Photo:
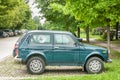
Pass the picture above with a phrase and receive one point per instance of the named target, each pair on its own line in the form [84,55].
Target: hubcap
[95,66]
[36,66]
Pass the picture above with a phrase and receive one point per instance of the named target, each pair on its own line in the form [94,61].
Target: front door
[65,50]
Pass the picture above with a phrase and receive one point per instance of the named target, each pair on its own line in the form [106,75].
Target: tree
[30,25]
[56,18]
[95,13]
[116,32]
[13,13]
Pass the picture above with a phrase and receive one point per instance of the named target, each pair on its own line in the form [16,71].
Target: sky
[35,10]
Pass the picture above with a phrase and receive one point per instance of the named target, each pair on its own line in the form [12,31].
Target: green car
[40,48]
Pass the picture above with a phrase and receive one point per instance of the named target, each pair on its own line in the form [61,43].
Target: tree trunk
[78,32]
[116,33]
[87,34]
[108,38]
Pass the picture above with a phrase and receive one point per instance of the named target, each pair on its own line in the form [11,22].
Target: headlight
[105,51]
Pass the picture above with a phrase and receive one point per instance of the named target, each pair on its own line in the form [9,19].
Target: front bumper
[109,61]
[17,59]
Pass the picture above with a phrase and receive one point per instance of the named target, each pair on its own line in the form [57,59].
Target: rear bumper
[17,59]
[109,61]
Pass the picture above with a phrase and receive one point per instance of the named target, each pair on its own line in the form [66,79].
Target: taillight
[16,49]
[16,52]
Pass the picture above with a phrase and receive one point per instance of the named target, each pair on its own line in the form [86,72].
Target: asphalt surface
[7,46]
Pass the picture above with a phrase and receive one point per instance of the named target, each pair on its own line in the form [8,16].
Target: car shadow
[64,70]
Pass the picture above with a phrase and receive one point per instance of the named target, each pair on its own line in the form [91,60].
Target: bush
[98,31]
[104,36]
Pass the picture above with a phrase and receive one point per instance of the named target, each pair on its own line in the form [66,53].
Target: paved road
[6,46]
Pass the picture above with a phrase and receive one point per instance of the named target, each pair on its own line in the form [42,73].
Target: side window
[60,39]
[40,39]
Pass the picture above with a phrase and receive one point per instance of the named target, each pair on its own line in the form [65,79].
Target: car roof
[48,31]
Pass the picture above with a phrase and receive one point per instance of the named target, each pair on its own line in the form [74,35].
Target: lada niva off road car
[42,48]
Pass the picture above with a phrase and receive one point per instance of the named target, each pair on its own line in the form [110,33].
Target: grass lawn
[83,35]
[112,72]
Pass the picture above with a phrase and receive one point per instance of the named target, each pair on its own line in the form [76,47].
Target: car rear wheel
[35,65]
[94,65]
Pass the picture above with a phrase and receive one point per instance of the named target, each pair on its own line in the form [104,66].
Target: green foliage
[30,25]
[94,13]
[98,30]
[112,34]
[55,16]
[13,13]
[53,26]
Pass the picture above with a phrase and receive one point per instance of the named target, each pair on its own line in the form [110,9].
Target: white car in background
[118,34]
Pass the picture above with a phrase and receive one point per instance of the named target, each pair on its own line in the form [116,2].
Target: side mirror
[80,39]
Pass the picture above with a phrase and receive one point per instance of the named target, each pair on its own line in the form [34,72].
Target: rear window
[40,39]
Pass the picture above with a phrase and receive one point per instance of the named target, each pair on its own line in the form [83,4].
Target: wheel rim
[95,66]
[35,66]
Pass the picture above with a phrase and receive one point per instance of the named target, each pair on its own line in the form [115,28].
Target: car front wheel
[94,65]
[35,65]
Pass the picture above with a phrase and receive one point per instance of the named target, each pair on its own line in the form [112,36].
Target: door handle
[56,47]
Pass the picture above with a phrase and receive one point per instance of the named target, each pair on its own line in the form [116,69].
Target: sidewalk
[104,44]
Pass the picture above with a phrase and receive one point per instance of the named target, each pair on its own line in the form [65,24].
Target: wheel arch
[36,54]
[93,55]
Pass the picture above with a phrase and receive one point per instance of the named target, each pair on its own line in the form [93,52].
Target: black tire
[94,65]
[35,65]
[85,69]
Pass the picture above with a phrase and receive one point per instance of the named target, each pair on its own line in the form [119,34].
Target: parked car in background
[18,32]
[9,32]
[23,31]
[3,34]
[42,48]
[118,34]
[15,32]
